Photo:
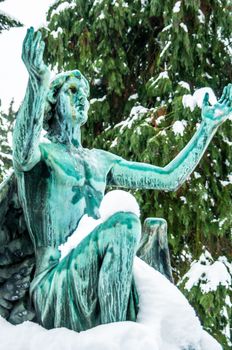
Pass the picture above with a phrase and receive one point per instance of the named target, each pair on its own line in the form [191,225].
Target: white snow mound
[116,201]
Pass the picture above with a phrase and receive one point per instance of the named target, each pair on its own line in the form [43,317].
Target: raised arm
[172,176]
[29,120]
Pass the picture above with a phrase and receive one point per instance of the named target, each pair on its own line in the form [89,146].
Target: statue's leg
[93,283]
[153,247]
[118,242]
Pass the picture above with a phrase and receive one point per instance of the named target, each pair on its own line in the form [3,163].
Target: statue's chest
[79,167]
[87,167]
[80,176]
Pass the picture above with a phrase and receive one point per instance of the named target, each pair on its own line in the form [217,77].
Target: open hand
[32,55]
[219,112]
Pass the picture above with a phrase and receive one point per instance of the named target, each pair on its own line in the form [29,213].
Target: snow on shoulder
[165,321]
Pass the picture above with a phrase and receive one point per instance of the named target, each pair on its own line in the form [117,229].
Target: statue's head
[67,104]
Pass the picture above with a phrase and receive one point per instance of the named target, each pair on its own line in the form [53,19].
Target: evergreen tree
[6,119]
[144,59]
[7,22]
[6,129]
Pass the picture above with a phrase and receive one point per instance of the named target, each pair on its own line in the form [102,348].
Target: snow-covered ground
[165,321]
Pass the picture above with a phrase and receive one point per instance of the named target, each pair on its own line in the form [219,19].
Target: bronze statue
[59,181]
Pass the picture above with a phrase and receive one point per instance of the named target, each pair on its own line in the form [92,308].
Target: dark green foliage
[139,53]
[6,22]
[212,306]
[6,119]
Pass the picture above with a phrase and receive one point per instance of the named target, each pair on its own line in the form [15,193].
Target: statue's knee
[128,224]
[151,225]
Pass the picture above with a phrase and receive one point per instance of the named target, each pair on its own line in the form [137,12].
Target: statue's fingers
[29,34]
[37,40]
[27,43]
[228,102]
[40,52]
[230,92]
[223,96]
[35,46]
[206,99]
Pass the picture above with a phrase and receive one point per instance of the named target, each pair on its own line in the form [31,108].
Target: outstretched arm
[30,116]
[172,176]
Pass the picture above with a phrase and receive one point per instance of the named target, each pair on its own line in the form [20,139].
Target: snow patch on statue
[116,201]
[191,101]
[113,202]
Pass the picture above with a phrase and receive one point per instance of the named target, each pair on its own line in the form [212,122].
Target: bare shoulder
[106,156]
[50,147]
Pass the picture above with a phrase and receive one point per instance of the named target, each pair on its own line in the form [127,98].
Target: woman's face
[72,104]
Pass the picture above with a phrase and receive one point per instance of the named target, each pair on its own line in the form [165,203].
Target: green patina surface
[59,181]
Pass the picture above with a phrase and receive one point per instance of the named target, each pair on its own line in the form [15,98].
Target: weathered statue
[60,181]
